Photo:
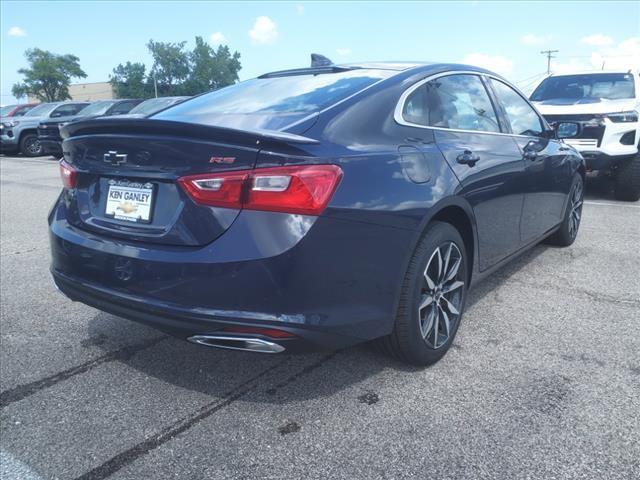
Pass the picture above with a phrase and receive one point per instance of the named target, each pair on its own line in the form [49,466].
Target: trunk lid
[128,170]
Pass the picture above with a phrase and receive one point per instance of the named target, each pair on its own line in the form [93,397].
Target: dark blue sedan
[315,207]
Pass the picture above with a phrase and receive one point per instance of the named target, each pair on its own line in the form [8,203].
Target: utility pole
[549,54]
[155,83]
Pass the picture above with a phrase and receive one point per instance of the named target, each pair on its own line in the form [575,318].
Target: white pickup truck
[606,105]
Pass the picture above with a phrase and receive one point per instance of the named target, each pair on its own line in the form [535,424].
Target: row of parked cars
[34,129]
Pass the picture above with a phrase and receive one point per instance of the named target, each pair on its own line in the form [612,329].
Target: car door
[547,168]
[488,163]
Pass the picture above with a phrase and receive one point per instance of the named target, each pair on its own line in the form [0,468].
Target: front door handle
[468,158]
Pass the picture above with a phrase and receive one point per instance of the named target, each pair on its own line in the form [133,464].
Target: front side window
[521,116]
[67,110]
[458,102]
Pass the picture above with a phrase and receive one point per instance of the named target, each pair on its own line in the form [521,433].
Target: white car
[606,105]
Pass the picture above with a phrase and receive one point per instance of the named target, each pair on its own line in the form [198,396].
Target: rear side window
[455,101]
[274,102]
[68,109]
[520,115]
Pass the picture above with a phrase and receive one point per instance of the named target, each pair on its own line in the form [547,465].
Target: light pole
[155,83]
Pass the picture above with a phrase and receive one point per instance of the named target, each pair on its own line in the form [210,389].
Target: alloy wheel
[441,295]
[33,146]
[575,214]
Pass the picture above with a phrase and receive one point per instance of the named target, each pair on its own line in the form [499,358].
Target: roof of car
[408,67]
[398,66]
[594,72]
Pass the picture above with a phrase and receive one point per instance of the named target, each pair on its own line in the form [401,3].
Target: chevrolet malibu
[313,208]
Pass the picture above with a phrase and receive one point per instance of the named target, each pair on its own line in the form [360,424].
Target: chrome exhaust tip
[247,344]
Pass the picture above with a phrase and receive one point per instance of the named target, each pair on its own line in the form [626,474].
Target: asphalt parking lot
[543,380]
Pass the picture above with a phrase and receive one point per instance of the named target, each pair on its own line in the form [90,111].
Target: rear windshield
[97,108]
[154,104]
[272,103]
[609,86]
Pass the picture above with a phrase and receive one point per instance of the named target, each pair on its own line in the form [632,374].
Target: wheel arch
[26,131]
[457,212]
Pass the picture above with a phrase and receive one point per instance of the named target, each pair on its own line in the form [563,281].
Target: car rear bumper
[189,322]
[334,286]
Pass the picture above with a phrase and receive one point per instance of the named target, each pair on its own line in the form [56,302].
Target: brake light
[303,190]
[68,174]
[223,190]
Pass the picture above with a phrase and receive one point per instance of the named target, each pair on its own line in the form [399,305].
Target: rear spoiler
[148,126]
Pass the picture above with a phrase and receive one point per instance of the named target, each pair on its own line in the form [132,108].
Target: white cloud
[300,9]
[620,57]
[533,39]
[597,40]
[217,38]
[495,63]
[17,32]
[264,30]
[343,52]
[625,55]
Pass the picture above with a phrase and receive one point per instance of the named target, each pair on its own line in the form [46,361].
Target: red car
[16,110]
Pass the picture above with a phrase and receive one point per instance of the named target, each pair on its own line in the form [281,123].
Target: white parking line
[607,204]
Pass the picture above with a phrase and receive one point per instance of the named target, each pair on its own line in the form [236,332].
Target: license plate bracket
[130,201]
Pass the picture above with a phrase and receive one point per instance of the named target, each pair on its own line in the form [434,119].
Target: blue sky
[504,36]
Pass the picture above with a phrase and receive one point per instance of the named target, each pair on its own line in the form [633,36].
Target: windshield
[609,86]
[41,110]
[154,104]
[272,103]
[4,111]
[98,108]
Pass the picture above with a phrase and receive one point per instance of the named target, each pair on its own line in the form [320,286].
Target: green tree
[48,76]
[170,66]
[211,68]
[130,81]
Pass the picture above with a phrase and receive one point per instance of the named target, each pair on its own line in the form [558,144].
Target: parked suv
[607,106]
[49,129]
[21,134]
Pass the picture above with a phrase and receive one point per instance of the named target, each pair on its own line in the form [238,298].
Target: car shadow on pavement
[306,376]
[599,187]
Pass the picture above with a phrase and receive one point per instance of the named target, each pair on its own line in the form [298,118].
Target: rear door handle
[468,158]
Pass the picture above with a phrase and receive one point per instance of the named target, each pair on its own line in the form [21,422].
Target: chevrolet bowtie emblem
[115,158]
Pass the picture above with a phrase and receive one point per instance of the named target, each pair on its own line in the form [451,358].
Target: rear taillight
[68,174]
[304,189]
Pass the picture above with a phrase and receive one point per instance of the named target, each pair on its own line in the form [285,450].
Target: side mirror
[567,129]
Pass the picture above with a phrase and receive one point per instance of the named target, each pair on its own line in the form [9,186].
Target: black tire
[408,341]
[568,230]
[30,146]
[627,180]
